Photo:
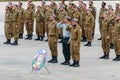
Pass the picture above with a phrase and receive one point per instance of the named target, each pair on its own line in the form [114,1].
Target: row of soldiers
[109,24]
[16,16]
[41,15]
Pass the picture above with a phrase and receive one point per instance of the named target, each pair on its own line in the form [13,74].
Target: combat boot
[15,43]
[8,42]
[89,44]
[50,60]
[107,56]
[102,57]
[77,64]
[117,58]
[111,46]
[66,62]
[38,38]
[41,38]
[86,44]
[99,38]
[54,59]
[74,62]
[83,39]
[46,40]
[30,37]
[20,36]
[93,36]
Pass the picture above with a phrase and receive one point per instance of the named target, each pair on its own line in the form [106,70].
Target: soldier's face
[105,15]
[28,6]
[38,8]
[73,23]
[61,8]
[64,20]
[51,18]
[88,11]
[117,6]
[6,8]
[90,4]
[29,1]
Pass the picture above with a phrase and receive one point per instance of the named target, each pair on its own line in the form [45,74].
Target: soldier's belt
[14,21]
[6,21]
[73,39]
[52,35]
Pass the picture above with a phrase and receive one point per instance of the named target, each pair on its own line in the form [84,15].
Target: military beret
[117,4]
[89,9]
[106,12]
[62,6]
[68,17]
[78,7]
[76,20]
[53,15]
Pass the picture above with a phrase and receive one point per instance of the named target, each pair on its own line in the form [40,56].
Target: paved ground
[15,61]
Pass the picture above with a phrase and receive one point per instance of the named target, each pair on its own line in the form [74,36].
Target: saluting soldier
[62,13]
[32,6]
[102,10]
[7,26]
[39,24]
[83,13]
[70,10]
[111,26]
[66,39]
[21,19]
[52,39]
[105,36]
[75,39]
[94,15]
[117,38]
[77,14]
[53,6]
[117,10]
[15,28]
[28,21]
[43,11]
[89,24]
[48,12]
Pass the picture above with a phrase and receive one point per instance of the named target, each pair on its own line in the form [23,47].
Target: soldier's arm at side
[79,35]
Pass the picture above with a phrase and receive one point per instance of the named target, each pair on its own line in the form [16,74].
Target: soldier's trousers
[46,27]
[83,29]
[7,29]
[105,42]
[15,31]
[21,27]
[53,45]
[88,34]
[100,28]
[39,29]
[32,26]
[60,31]
[29,27]
[111,35]
[93,32]
[75,50]
[117,45]
[66,48]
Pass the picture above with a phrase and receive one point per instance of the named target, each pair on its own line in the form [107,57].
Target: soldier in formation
[47,18]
